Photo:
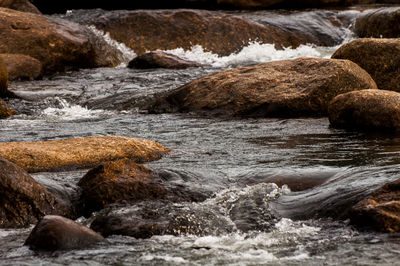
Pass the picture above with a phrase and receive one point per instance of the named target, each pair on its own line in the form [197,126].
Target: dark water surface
[229,158]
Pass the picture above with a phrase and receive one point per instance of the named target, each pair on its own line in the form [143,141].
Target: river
[228,158]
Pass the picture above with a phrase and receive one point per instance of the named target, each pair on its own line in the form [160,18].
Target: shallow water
[229,158]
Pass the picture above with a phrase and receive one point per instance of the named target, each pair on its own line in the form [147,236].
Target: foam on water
[254,53]
[67,111]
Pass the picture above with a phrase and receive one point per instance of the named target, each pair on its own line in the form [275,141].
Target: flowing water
[230,159]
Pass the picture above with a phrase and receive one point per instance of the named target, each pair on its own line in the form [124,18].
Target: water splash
[254,53]
[66,111]
[127,53]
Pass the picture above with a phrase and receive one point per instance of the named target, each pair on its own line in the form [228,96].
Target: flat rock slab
[79,152]
[288,88]
[379,57]
[366,109]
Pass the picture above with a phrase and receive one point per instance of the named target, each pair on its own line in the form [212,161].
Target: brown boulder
[380,211]
[115,182]
[379,57]
[220,33]
[126,181]
[159,59]
[4,92]
[366,109]
[383,22]
[59,233]
[21,66]
[288,88]
[23,200]
[58,44]
[79,152]
[20,5]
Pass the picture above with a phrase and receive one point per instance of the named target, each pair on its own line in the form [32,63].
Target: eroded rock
[379,57]
[59,233]
[288,88]
[79,152]
[366,109]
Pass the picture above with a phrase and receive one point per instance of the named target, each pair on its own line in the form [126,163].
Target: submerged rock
[380,211]
[288,88]
[379,57]
[366,109]
[79,152]
[159,59]
[382,22]
[126,181]
[20,5]
[23,200]
[58,44]
[59,233]
[220,33]
[21,66]
[231,210]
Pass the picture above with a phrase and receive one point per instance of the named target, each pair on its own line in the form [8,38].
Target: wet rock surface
[380,211]
[126,181]
[4,92]
[379,57]
[227,212]
[58,233]
[158,59]
[289,88]
[23,200]
[5,110]
[79,152]
[58,44]
[366,109]
[379,23]
[220,33]
[22,66]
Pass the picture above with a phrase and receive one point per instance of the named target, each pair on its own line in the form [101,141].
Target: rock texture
[366,109]
[383,22]
[220,33]
[379,57]
[59,233]
[79,152]
[159,59]
[125,181]
[116,182]
[288,88]
[58,44]
[21,66]
[20,5]
[23,200]
[380,211]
